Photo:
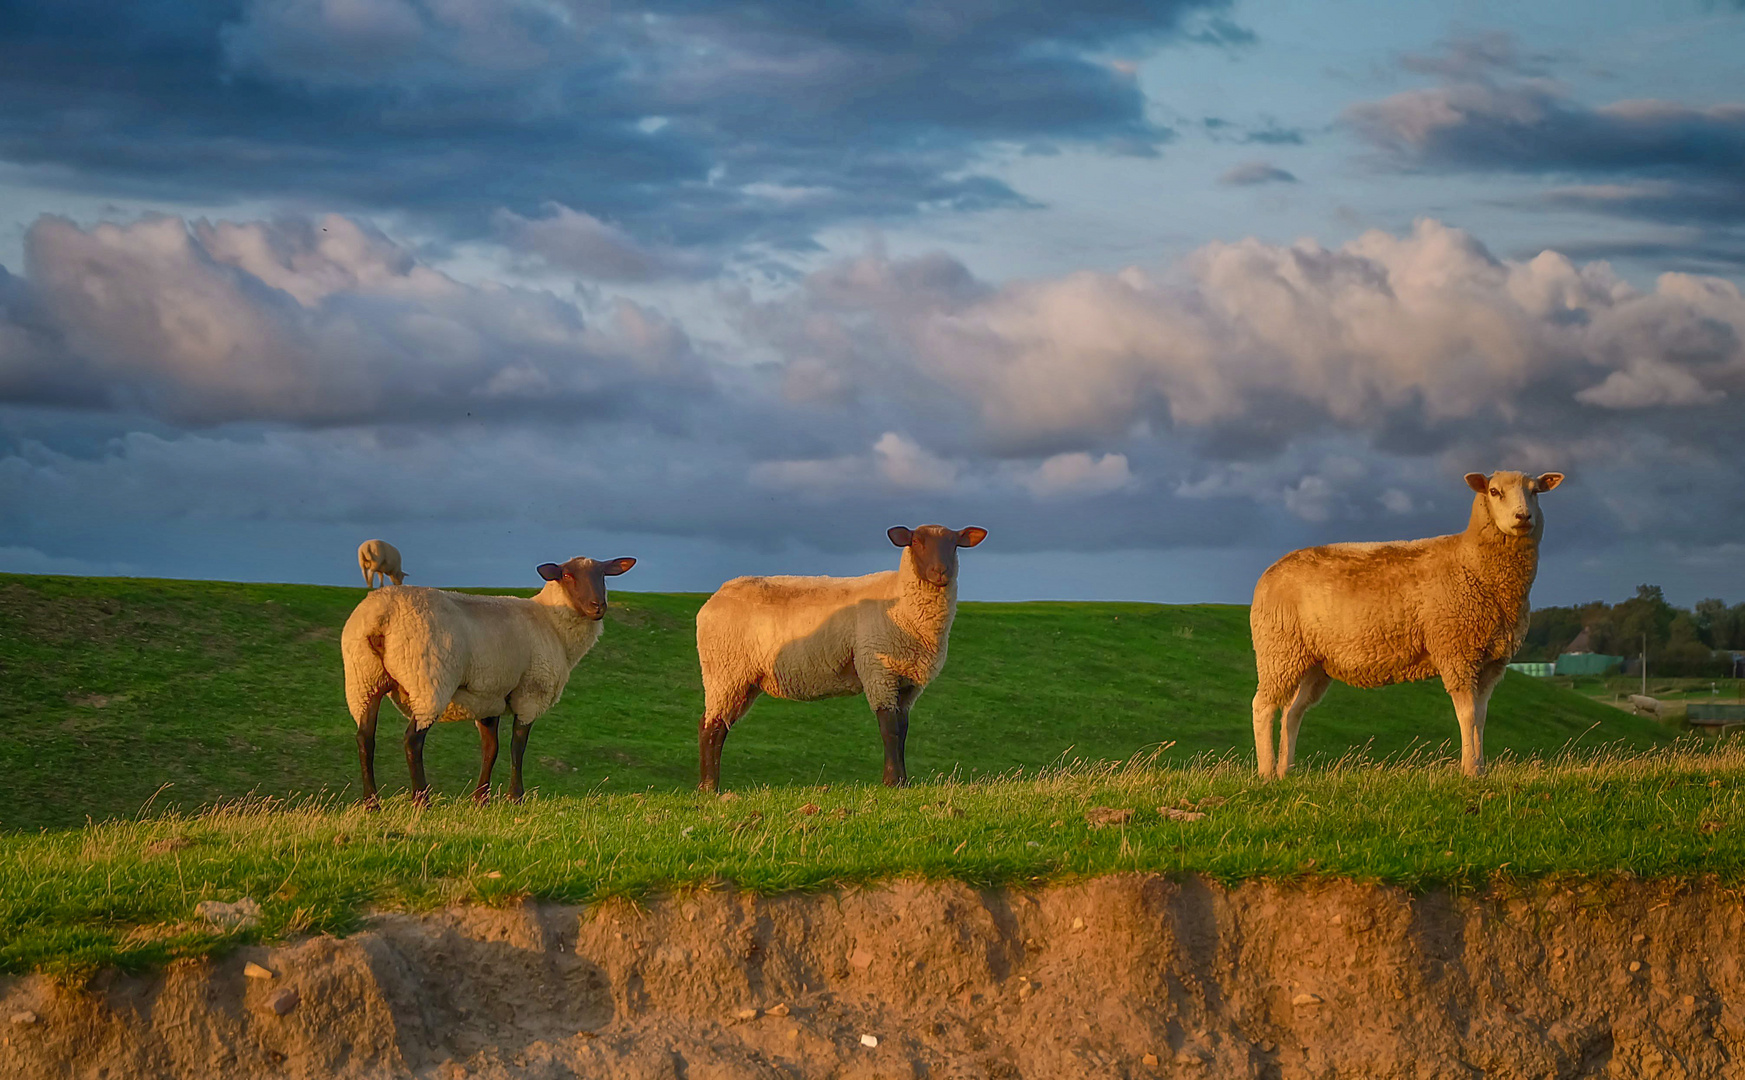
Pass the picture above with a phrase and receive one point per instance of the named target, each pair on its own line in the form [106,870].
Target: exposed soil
[1133,976]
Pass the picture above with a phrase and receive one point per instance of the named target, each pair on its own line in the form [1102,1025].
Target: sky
[1154,292]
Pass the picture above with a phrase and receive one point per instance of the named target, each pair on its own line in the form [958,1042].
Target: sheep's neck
[923,610]
[1507,564]
[577,632]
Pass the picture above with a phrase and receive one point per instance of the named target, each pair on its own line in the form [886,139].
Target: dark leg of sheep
[487,758]
[415,762]
[366,753]
[894,728]
[711,737]
[517,750]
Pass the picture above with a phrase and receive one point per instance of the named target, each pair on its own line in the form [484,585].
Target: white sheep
[455,656]
[380,562]
[1374,614]
[806,638]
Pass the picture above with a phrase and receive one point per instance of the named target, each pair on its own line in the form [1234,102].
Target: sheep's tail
[362,644]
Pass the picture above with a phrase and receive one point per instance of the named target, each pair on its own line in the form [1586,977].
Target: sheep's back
[794,636]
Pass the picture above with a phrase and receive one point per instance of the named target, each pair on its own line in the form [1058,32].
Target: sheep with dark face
[454,656]
[1373,614]
[806,638]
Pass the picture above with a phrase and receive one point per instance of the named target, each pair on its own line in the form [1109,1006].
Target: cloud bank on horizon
[489,276]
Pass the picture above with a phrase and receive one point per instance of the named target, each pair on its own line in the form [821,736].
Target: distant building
[1588,663]
[1738,665]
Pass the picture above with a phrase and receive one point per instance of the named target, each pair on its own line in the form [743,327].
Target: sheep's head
[1513,498]
[583,582]
[933,549]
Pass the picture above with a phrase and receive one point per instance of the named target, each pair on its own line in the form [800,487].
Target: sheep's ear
[1547,481]
[617,566]
[899,535]
[1478,482]
[971,536]
[550,571]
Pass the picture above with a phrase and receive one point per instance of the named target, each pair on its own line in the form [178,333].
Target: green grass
[124,892]
[119,692]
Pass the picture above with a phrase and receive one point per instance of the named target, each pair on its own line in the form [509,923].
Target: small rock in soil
[1100,816]
[255,971]
[1306,999]
[861,959]
[24,1017]
[284,1001]
[747,1014]
[869,1040]
[779,1009]
[1635,966]
[1078,924]
[240,915]
[1150,1059]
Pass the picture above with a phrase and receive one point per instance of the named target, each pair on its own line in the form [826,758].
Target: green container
[1584,663]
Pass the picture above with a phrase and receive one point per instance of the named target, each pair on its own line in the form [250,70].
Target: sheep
[454,656]
[1373,614]
[808,638]
[379,559]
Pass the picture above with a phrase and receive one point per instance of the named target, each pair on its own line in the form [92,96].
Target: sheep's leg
[366,750]
[415,762]
[517,749]
[719,715]
[1264,710]
[1310,688]
[1488,677]
[366,571]
[894,729]
[487,758]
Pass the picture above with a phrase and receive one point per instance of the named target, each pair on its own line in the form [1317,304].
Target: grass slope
[112,688]
[124,892]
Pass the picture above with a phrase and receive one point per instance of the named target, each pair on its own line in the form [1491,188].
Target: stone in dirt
[284,1001]
[869,1040]
[1306,999]
[780,1009]
[238,916]
[1150,1059]
[255,971]
[24,1017]
[861,959]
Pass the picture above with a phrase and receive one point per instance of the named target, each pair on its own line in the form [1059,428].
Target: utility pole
[1644,665]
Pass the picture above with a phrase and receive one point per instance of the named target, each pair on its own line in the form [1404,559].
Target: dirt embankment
[1123,977]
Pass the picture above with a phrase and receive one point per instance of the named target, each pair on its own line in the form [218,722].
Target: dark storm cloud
[1497,112]
[682,123]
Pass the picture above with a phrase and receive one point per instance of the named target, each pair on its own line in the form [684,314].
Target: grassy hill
[113,691]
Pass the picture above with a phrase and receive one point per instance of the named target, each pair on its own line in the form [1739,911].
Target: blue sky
[1153,291]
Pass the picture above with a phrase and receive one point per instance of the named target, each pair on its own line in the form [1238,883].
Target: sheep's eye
[1495,494]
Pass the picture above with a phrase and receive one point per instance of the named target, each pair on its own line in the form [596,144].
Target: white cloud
[1078,474]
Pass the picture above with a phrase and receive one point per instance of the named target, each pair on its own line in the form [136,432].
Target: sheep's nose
[594,611]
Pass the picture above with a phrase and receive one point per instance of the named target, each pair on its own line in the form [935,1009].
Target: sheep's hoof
[481,797]
[421,799]
[372,805]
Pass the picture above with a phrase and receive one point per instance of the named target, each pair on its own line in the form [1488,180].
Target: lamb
[454,656]
[379,559]
[807,638]
[1374,614]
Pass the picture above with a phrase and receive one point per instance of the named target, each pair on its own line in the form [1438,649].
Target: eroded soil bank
[1133,976]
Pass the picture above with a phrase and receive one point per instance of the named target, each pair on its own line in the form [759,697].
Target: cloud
[1079,474]
[1251,173]
[311,322]
[570,240]
[1416,340]
[1498,112]
[686,125]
